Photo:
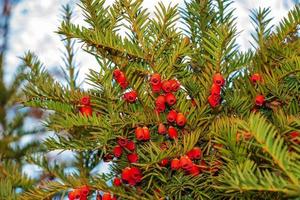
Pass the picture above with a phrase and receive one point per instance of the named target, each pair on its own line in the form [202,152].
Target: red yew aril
[160,100]
[118,151]
[185,162]
[162,129]
[164,162]
[130,146]
[117,182]
[132,157]
[86,110]
[146,133]
[85,101]
[122,142]
[255,78]
[172,133]
[259,100]
[175,164]
[106,196]
[166,86]
[180,119]
[156,88]
[139,133]
[155,79]
[170,99]
[171,117]
[218,79]
[175,85]
[215,90]
[131,96]
[214,100]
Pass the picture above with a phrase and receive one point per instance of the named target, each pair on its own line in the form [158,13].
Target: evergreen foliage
[248,149]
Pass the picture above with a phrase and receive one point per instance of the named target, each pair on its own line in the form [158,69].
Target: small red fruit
[255,78]
[171,117]
[164,162]
[170,99]
[130,146]
[130,96]
[185,162]
[194,170]
[122,142]
[117,182]
[156,88]
[180,119]
[259,100]
[175,85]
[118,151]
[172,132]
[139,133]
[132,157]
[74,195]
[86,110]
[215,90]
[175,164]
[84,190]
[155,79]
[117,73]
[85,101]
[160,108]
[106,196]
[146,133]
[218,79]
[166,86]
[160,100]
[214,100]
[195,153]
[162,129]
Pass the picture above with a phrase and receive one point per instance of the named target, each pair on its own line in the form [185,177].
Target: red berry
[122,142]
[160,108]
[130,96]
[215,90]
[164,162]
[85,101]
[194,170]
[131,175]
[172,133]
[295,137]
[214,100]
[259,100]
[175,164]
[126,174]
[255,78]
[162,129]
[75,194]
[156,88]
[160,100]
[106,196]
[114,198]
[139,133]
[136,174]
[166,86]
[155,79]
[124,85]
[117,73]
[180,119]
[132,157]
[218,79]
[175,85]
[185,162]
[130,146]
[146,133]
[170,99]
[86,110]
[117,182]
[195,153]
[84,190]
[118,151]
[171,117]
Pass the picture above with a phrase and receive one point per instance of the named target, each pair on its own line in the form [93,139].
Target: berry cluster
[79,193]
[186,162]
[166,85]
[86,108]
[131,175]
[215,92]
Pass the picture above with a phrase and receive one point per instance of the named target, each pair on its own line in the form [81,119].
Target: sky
[34,22]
